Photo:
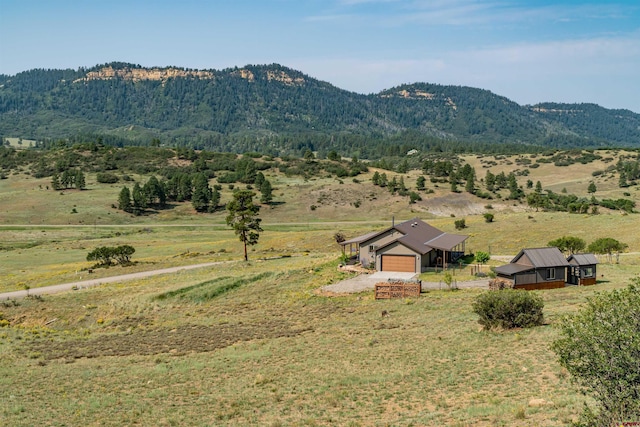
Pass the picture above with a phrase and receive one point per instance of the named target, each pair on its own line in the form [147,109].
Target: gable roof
[362,238]
[583,259]
[417,235]
[542,257]
[412,243]
[419,229]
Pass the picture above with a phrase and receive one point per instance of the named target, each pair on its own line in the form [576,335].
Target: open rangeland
[256,343]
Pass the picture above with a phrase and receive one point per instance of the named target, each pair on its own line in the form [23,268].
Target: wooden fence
[387,290]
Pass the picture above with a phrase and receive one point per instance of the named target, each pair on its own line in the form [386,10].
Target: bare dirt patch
[461,204]
[180,340]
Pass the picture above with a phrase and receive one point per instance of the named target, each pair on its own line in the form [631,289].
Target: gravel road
[96,282]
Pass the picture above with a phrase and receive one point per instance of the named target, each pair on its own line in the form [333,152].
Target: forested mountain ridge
[271,107]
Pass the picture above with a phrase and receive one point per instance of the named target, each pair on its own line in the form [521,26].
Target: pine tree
[308,156]
[376,178]
[393,185]
[243,218]
[403,167]
[490,181]
[66,179]
[470,186]
[538,187]
[622,182]
[55,182]
[79,180]
[124,200]
[201,193]
[259,179]
[215,200]
[266,192]
[139,200]
[453,179]
[184,188]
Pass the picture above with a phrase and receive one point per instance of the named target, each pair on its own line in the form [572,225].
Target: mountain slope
[259,103]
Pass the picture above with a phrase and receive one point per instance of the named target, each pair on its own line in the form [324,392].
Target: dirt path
[96,282]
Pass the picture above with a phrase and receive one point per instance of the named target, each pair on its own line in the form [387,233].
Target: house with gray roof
[411,246]
[537,268]
[547,268]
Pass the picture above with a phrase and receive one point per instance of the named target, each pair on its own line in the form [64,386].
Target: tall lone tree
[243,218]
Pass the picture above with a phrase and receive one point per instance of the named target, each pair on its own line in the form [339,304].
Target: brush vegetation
[258,343]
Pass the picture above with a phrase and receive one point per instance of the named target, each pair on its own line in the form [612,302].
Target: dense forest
[277,110]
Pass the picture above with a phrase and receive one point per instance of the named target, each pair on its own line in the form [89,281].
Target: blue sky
[528,51]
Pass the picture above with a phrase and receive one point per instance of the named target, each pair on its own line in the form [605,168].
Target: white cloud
[600,70]
[476,12]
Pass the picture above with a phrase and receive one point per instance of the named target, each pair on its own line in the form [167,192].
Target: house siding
[398,249]
[544,285]
[526,278]
[367,257]
[524,259]
[583,278]
[538,279]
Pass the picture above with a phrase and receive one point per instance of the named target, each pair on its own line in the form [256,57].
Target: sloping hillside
[271,107]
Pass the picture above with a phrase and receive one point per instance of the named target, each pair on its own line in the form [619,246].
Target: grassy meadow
[258,343]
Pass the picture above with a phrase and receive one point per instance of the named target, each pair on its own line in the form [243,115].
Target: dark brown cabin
[537,268]
[582,269]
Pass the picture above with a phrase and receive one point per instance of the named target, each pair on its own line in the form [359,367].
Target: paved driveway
[367,282]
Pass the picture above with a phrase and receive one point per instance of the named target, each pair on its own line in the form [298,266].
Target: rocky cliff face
[285,78]
[140,74]
[163,74]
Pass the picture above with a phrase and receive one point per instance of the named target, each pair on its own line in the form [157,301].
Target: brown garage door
[398,263]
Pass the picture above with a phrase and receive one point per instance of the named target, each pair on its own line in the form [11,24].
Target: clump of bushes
[106,178]
[509,309]
[3,322]
[106,255]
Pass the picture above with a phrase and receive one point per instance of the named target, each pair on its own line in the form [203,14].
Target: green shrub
[600,347]
[482,257]
[460,224]
[105,255]
[509,309]
[106,178]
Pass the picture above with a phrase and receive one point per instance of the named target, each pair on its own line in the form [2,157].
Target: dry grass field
[256,343]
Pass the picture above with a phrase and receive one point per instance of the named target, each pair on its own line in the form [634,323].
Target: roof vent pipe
[393,221]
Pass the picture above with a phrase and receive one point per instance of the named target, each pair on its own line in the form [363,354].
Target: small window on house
[372,248]
[551,273]
[588,272]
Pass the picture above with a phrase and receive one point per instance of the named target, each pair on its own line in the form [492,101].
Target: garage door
[398,263]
